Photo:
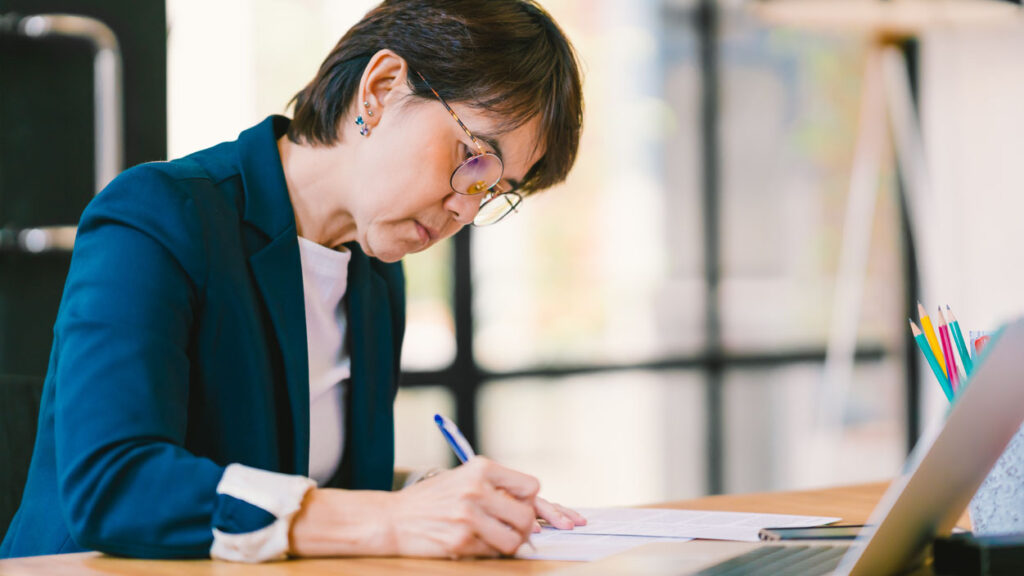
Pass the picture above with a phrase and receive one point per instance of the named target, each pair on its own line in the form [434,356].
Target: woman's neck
[314,176]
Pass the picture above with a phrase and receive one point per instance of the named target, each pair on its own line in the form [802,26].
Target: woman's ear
[382,87]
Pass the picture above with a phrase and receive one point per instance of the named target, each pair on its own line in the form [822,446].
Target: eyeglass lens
[495,208]
[477,174]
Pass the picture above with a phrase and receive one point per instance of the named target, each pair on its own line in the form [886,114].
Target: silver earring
[366,105]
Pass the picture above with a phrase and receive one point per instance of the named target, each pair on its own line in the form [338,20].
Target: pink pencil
[947,349]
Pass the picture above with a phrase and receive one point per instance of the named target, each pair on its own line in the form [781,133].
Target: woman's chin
[391,249]
[390,258]
[387,253]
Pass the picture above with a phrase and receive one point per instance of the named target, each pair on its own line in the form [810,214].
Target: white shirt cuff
[278,494]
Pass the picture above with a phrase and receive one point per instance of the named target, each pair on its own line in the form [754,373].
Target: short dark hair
[507,57]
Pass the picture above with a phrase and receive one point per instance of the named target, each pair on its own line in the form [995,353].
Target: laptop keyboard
[780,561]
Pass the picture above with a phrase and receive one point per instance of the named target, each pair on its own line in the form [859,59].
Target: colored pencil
[954,352]
[961,345]
[929,333]
[947,348]
[922,343]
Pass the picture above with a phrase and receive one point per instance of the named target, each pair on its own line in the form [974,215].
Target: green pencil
[961,345]
[922,343]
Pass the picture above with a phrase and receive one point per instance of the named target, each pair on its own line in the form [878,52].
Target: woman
[231,326]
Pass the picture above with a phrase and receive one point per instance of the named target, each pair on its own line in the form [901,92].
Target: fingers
[488,523]
[478,509]
[519,485]
[518,515]
[575,516]
[505,504]
[557,515]
[467,543]
[499,534]
[552,515]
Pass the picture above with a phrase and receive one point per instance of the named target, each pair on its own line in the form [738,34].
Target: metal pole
[707,33]
[108,116]
[465,377]
[107,84]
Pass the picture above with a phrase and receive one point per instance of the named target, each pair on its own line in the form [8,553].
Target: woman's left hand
[557,515]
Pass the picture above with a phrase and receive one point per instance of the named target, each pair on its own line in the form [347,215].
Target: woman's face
[405,203]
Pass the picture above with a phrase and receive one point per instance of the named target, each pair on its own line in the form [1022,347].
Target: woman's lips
[424,233]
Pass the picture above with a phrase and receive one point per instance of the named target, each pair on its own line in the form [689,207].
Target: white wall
[972,86]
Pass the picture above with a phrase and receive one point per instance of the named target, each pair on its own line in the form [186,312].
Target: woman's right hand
[478,509]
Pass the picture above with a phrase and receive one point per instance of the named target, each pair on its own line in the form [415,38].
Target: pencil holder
[998,505]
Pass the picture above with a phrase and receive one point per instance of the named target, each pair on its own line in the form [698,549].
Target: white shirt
[324,280]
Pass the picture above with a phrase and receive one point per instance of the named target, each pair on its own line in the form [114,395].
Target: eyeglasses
[480,173]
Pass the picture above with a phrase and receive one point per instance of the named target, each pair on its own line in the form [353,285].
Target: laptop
[940,477]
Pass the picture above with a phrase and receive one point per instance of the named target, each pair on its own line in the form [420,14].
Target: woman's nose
[463,207]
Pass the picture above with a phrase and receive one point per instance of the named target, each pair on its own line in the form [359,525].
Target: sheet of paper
[706,524]
[554,544]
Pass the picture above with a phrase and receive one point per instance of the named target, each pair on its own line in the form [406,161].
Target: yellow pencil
[929,334]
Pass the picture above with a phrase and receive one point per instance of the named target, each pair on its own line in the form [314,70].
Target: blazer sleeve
[126,484]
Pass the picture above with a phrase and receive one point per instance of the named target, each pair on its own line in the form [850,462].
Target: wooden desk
[852,503]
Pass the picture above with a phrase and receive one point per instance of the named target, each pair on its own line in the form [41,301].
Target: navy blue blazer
[180,347]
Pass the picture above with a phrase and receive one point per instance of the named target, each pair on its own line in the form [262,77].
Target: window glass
[605,268]
[600,439]
[418,443]
[773,440]
[430,325]
[789,104]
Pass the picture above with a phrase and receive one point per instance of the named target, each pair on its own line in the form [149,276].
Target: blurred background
[657,327]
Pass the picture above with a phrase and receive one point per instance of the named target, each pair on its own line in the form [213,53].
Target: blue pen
[459,445]
[455,439]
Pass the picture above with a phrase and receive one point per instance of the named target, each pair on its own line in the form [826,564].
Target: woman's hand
[557,515]
[478,509]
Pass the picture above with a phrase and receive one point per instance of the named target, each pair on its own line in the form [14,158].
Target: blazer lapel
[277,269]
[278,273]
